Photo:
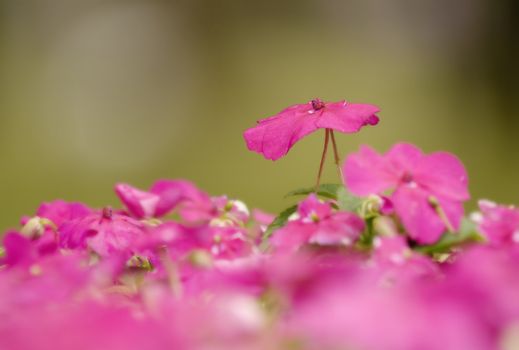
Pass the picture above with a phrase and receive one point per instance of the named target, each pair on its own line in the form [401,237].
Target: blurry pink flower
[274,136]
[499,223]
[317,224]
[60,211]
[397,262]
[417,180]
[19,250]
[105,233]
[220,242]
[23,250]
[162,197]
[219,211]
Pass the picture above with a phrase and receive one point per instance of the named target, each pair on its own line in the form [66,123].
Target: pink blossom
[103,232]
[221,242]
[363,315]
[219,211]
[397,262]
[60,211]
[274,136]
[21,250]
[317,224]
[418,181]
[163,197]
[499,223]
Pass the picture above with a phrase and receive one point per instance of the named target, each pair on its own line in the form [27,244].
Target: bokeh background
[94,92]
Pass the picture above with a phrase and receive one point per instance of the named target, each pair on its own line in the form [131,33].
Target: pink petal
[60,211]
[275,136]
[498,222]
[342,228]
[365,173]
[348,117]
[173,192]
[403,157]
[419,218]
[139,203]
[444,174]
[312,208]
[292,236]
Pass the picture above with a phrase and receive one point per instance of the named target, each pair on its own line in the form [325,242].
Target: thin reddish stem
[441,214]
[336,155]
[323,158]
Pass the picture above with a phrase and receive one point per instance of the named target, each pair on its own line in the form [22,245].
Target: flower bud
[35,227]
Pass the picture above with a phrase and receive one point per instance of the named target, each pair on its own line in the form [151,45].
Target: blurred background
[94,92]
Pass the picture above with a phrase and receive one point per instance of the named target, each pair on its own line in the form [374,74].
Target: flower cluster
[386,260]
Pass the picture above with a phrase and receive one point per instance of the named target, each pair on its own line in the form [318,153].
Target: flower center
[317,104]
[407,177]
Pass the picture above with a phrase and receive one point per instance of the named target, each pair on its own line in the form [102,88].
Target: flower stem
[323,158]
[441,214]
[336,155]
[171,271]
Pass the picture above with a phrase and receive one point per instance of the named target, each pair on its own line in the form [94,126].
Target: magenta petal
[499,223]
[313,209]
[403,158]
[292,236]
[173,192]
[18,249]
[364,173]
[342,228]
[348,117]
[274,138]
[139,203]
[60,211]
[444,174]
[103,235]
[419,218]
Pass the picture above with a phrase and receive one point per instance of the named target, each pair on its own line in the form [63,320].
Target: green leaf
[279,221]
[347,201]
[467,233]
[325,190]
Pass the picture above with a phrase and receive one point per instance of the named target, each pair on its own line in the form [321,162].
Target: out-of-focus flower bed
[385,260]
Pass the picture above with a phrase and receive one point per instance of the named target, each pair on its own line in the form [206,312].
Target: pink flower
[317,224]
[397,261]
[419,182]
[221,242]
[105,233]
[18,250]
[163,197]
[274,136]
[220,210]
[60,211]
[499,223]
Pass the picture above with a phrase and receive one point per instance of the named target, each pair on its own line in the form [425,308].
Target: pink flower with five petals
[423,185]
[316,223]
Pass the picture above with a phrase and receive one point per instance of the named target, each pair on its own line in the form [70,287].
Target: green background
[96,92]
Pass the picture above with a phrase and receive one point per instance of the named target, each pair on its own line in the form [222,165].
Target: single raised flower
[428,190]
[274,136]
